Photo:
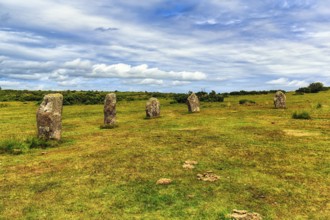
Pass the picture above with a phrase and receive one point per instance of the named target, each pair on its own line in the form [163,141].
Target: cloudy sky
[164,45]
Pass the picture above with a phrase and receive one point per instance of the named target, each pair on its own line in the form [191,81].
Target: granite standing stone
[110,102]
[152,108]
[280,100]
[49,117]
[193,103]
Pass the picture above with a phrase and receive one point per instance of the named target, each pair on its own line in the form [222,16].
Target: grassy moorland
[267,162]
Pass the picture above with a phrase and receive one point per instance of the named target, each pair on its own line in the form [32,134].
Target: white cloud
[179,83]
[287,83]
[142,71]
[151,82]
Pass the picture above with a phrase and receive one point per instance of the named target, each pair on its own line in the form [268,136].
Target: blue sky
[165,46]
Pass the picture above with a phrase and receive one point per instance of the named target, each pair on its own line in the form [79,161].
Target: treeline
[70,97]
[202,95]
[312,88]
[243,92]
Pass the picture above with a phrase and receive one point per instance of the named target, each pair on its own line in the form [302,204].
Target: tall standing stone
[110,102]
[193,103]
[280,100]
[152,108]
[49,117]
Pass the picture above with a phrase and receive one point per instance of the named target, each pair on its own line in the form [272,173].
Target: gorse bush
[246,101]
[202,96]
[301,115]
[14,146]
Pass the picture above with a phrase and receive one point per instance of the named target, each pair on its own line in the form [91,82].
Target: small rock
[189,164]
[244,215]
[208,176]
[192,162]
[164,181]
[43,153]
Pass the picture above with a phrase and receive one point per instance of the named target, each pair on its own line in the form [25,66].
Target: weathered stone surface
[164,181]
[109,110]
[244,215]
[152,108]
[49,117]
[280,100]
[193,103]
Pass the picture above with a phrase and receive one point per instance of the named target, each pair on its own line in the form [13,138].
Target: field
[267,162]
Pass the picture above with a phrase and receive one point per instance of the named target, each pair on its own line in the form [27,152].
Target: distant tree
[316,87]
[312,88]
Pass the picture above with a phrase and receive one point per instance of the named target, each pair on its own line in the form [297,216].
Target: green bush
[246,101]
[301,115]
[319,105]
[12,146]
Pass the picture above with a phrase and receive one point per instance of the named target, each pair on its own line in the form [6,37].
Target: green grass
[267,162]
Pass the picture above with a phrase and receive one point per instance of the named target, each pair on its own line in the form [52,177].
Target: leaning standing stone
[193,103]
[152,108]
[110,109]
[49,117]
[280,100]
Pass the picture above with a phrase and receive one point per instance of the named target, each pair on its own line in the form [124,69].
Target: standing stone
[152,108]
[49,117]
[193,103]
[110,102]
[280,100]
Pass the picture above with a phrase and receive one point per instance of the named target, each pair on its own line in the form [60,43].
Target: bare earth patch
[300,133]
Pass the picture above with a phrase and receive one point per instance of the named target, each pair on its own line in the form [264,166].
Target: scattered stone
[280,100]
[164,181]
[189,164]
[110,102]
[43,153]
[152,108]
[208,176]
[49,117]
[244,215]
[193,103]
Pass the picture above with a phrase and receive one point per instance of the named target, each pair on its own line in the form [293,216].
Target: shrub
[301,115]
[12,146]
[319,105]
[246,101]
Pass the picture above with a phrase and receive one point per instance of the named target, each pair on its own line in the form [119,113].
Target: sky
[164,45]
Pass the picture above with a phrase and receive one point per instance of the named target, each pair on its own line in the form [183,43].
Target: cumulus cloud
[288,83]
[240,43]
[142,71]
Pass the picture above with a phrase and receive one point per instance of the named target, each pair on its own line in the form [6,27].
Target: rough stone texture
[208,176]
[244,215]
[164,181]
[193,103]
[49,117]
[152,108]
[109,110]
[280,100]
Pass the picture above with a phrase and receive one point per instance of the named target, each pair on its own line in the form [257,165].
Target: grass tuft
[301,115]
[109,126]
